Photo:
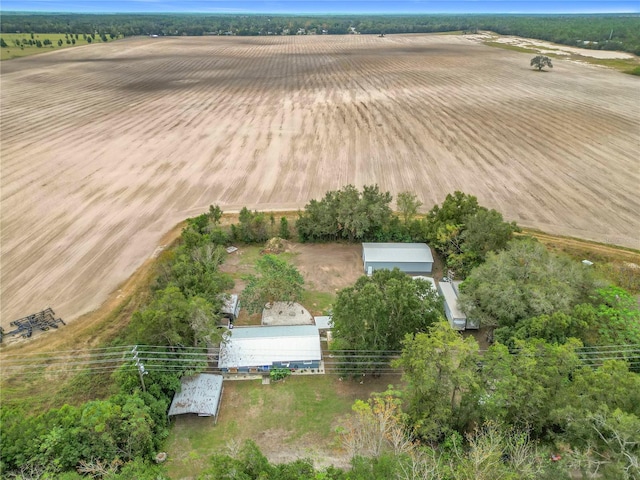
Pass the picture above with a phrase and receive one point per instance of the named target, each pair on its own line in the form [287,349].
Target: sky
[323,6]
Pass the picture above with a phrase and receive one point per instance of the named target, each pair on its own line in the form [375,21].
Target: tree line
[604,31]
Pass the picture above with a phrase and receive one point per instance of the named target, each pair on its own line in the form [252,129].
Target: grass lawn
[13,51]
[290,419]
[318,303]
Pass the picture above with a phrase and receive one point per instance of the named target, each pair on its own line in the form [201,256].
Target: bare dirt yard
[105,148]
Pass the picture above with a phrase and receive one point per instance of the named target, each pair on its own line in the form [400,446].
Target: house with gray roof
[259,349]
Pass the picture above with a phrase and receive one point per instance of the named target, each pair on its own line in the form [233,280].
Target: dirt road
[104,148]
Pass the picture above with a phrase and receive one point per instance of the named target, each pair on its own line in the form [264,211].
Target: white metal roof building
[200,394]
[230,306]
[457,318]
[323,322]
[256,349]
[408,257]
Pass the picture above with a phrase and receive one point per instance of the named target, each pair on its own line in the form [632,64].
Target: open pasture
[106,147]
[13,51]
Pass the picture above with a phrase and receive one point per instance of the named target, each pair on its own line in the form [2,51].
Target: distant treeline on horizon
[594,31]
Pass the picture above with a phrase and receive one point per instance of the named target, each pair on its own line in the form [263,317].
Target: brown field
[105,148]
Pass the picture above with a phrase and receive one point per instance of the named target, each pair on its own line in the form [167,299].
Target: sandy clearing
[548,47]
[104,149]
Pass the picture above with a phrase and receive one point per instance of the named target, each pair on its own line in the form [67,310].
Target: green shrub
[279,373]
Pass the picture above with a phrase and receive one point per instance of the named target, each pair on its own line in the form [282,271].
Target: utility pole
[140,366]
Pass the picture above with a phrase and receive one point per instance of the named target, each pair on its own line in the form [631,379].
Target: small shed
[323,322]
[200,394]
[258,349]
[412,258]
[230,307]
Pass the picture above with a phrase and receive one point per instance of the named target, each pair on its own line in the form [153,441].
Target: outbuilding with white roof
[412,258]
[258,349]
[457,318]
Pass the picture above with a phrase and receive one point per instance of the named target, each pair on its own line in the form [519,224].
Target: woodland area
[556,396]
[600,32]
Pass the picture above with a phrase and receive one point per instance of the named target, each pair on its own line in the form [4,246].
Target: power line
[159,358]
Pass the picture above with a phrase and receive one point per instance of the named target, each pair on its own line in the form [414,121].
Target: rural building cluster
[289,337]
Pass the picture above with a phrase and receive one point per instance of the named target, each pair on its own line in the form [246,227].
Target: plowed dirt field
[106,147]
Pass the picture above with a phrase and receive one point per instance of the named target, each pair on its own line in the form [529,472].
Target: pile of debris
[276,245]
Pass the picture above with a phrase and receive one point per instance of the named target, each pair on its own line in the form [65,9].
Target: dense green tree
[484,232]
[252,227]
[438,367]
[205,229]
[173,319]
[60,42]
[617,316]
[250,464]
[196,273]
[611,384]
[600,419]
[378,311]
[541,61]
[465,232]
[521,282]
[284,229]
[276,281]
[556,328]
[523,388]
[612,448]
[408,205]
[3,44]
[612,317]
[346,214]
[118,429]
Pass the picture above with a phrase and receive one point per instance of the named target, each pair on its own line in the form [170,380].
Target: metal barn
[412,258]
